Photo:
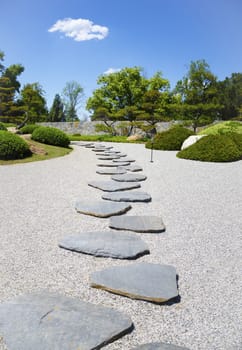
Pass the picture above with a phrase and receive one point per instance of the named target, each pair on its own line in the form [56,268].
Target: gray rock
[130,160]
[107,164]
[150,282]
[159,346]
[99,150]
[191,140]
[113,186]
[115,157]
[83,144]
[112,152]
[129,177]
[53,322]
[133,168]
[111,171]
[145,224]
[127,196]
[118,245]
[101,209]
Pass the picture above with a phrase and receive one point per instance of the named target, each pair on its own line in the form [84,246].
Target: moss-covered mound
[28,129]
[12,146]
[3,127]
[223,128]
[214,148]
[170,140]
[51,136]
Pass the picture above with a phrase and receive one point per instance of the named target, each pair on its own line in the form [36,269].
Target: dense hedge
[223,128]
[12,146]
[28,129]
[170,140]
[3,127]
[214,148]
[50,136]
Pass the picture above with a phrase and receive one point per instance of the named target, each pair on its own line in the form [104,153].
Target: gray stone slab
[117,245]
[109,164]
[127,196]
[130,160]
[99,150]
[129,177]
[145,224]
[150,282]
[112,152]
[54,322]
[113,186]
[133,168]
[111,171]
[101,209]
[159,346]
[115,157]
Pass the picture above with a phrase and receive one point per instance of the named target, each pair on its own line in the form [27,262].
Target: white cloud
[112,70]
[79,29]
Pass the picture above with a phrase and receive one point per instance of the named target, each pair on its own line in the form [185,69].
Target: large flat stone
[109,164]
[129,177]
[109,157]
[127,196]
[111,171]
[145,224]
[133,168]
[151,282]
[159,346]
[113,186]
[101,209]
[54,322]
[130,160]
[118,245]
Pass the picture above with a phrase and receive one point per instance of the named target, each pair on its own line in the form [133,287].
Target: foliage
[103,128]
[56,113]
[223,128]
[72,97]
[199,95]
[170,140]
[212,148]
[103,138]
[50,136]
[12,146]
[28,129]
[3,127]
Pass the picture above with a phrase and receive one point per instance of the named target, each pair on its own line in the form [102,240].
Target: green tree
[72,97]
[33,102]
[56,113]
[199,95]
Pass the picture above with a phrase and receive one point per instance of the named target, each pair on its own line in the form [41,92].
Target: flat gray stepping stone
[130,160]
[127,196]
[150,282]
[129,177]
[107,164]
[48,321]
[89,146]
[117,245]
[113,186]
[159,346]
[101,209]
[83,144]
[111,171]
[145,224]
[99,150]
[109,157]
[112,152]
[133,168]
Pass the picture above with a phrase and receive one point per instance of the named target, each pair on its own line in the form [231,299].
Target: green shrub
[223,128]
[50,136]
[12,146]
[237,139]
[28,129]
[212,148]
[170,140]
[3,127]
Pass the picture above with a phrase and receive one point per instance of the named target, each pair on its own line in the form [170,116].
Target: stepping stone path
[106,164]
[130,160]
[159,346]
[48,321]
[144,224]
[129,177]
[109,157]
[118,245]
[150,282]
[133,168]
[127,196]
[111,171]
[113,186]
[101,209]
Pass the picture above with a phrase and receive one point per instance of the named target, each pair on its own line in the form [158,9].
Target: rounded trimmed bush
[3,127]
[28,129]
[51,136]
[170,140]
[13,146]
[212,148]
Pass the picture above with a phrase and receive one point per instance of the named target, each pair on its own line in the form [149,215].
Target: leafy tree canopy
[72,97]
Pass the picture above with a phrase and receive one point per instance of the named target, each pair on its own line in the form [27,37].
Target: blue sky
[89,37]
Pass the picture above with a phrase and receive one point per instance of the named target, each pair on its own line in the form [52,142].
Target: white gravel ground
[201,206]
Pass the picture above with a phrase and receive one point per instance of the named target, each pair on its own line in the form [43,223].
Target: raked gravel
[201,206]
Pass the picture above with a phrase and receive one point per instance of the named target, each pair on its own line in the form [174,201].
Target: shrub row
[28,129]
[50,136]
[12,146]
[3,127]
